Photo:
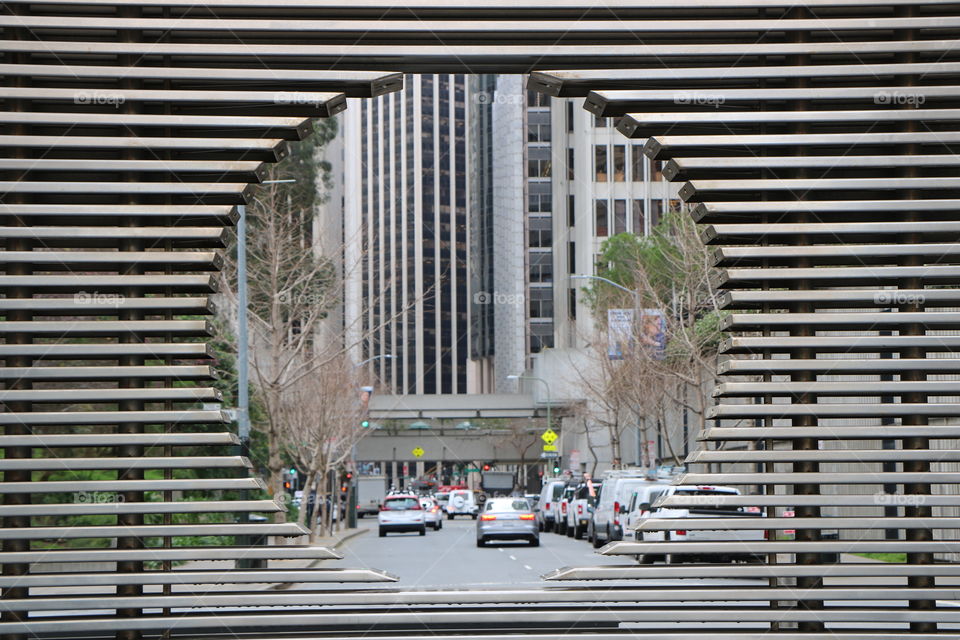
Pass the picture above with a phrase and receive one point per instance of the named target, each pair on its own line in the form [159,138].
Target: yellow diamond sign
[549,436]
[417,451]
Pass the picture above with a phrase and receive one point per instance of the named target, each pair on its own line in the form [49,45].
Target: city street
[450,557]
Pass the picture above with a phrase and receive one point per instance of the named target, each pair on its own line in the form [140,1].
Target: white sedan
[432,514]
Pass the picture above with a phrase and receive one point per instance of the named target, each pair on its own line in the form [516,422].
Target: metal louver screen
[817,140]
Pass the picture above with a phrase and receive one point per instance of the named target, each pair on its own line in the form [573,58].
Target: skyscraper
[405,212]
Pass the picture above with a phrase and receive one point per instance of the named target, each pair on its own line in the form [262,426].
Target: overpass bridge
[463,407]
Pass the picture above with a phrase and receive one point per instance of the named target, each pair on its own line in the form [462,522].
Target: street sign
[417,451]
[549,436]
[471,470]
[550,447]
[549,454]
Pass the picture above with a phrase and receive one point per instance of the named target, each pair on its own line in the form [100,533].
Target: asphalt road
[450,557]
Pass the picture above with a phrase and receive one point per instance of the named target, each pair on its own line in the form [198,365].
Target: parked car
[565,499]
[548,506]
[689,530]
[606,525]
[432,515]
[507,519]
[462,502]
[401,512]
[639,509]
[581,508]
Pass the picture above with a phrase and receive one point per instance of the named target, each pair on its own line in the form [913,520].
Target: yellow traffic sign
[549,447]
[549,436]
[417,451]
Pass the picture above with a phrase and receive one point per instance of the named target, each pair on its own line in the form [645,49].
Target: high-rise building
[405,216]
[533,225]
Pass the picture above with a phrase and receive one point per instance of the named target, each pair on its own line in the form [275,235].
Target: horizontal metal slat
[92,505]
[837,276]
[844,344]
[284,552]
[837,366]
[109,351]
[694,523]
[835,254]
[822,477]
[84,303]
[183,577]
[700,190]
[180,283]
[92,260]
[191,215]
[709,212]
[144,394]
[659,572]
[839,298]
[688,168]
[830,433]
[67,328]
[289,529]
[840,410]
[115,486]
[791,500]
[827,455]
[236,171]
[144,462]
[177,372]
[864,388]
[765,547]
[48,440]
[38,418]
[866,320]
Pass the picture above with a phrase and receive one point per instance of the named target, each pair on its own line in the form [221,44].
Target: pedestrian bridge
[462,407]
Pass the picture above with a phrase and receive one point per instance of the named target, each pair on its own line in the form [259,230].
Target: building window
[657,170]
[571,212]
[536,99]
[619,163]
[541,336]
[600,228]
[570,116]
[538,126]
[541,302]
[539,162]
[619,216]
[600,162]
[599,122]
[570,164]
[637,160]
[638,217]
[541,266]
[572,256]
[656,209]
[539,197]
[572,309]
[541,232]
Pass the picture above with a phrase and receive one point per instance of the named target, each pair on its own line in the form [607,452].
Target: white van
[549,505]
[609,514]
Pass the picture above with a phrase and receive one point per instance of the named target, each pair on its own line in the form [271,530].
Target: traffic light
[349,475]
[293,471]
[556,468]
[364,424]
[486,467]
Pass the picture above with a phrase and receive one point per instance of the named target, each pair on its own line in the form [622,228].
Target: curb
[336,542]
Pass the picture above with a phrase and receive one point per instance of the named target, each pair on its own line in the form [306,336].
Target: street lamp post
[351,486]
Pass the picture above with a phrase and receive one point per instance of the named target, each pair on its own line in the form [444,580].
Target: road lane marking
[528,567]
[513,557]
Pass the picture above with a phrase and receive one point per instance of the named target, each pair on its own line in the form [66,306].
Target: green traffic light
[293,471]
[365,424]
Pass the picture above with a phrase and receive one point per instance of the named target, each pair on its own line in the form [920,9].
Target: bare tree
[319,417]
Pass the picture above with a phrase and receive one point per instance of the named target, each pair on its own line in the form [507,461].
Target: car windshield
[401,504]
[508,504]
[557,491]
[442,497]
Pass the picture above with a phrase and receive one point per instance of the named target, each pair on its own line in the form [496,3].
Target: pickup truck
[707,509]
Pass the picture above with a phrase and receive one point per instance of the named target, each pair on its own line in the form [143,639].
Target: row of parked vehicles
[609,510]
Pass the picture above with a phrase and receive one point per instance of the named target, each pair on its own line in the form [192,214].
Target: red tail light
[579,509]
[526,516]
[616,507]
[563,507]
[548,506]
[681,532]
[488,517]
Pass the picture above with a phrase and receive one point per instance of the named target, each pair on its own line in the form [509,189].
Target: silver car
[507,519]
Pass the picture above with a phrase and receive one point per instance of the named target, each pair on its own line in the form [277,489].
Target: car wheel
[383,534]
[596,541]
[535,542]
[449,516]
[569,531]
[645,559]
[360,515]
[473,517]
[480,542]
[577,532]
[423,530]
